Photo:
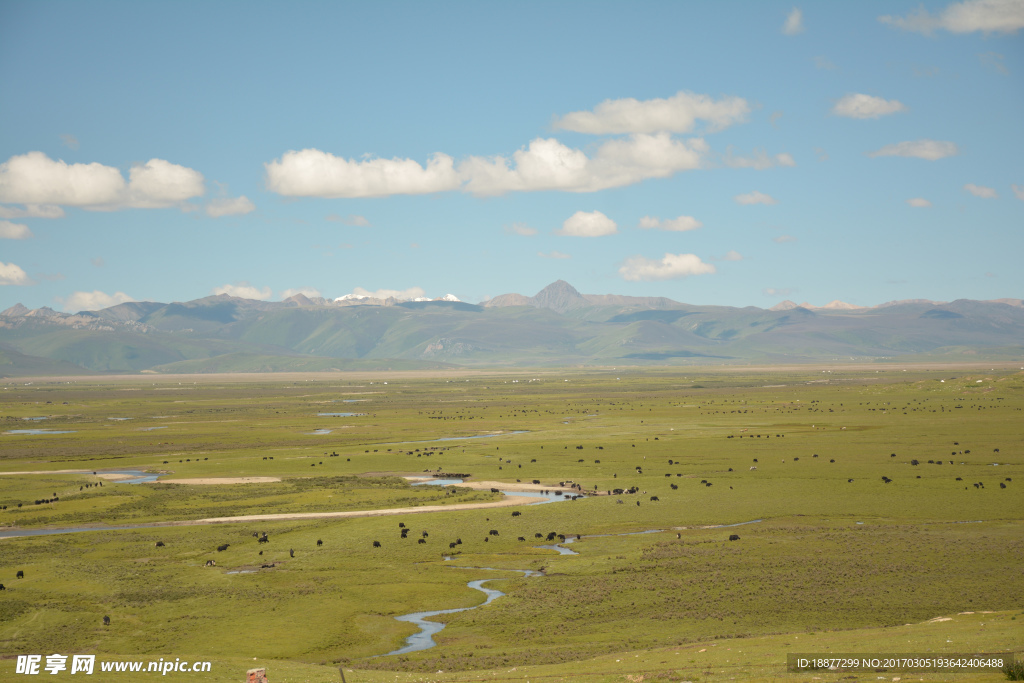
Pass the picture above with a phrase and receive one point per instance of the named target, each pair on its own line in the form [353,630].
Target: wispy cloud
[994,61]
[794,23]
[1018,191]
[553,254]
[777,291]
[69,141]
[229,206]
[930,150]
[755,198]
[987,16]
[758,161]
[14,231]
[824,63]
[351,219]
[981,191]
[783,239]
[670,267]
[521,229]
[732,255]
[676,114]
[919,202]
[860,106]
[679,224]
[588,224]
[98,262]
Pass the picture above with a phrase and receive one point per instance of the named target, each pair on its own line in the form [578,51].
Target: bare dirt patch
[219,480]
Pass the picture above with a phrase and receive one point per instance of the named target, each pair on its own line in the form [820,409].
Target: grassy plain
[832,559]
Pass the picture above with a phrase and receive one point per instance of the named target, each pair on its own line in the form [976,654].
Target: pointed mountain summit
[560,297]
[786,305]
[15,311]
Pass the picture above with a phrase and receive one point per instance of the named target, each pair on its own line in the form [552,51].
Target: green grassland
[830,557]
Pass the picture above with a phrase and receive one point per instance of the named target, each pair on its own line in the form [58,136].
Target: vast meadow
[878,509]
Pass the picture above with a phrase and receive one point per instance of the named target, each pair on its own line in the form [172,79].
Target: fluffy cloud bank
[14,231]
[547,164]
[676,114]
[999,16]
[646,149]
[588,224]
[92,301]
[313,173]
[930,150]
[11,274]
[859,106]
[244,290]
[680,224]
[671,267]
[36,180]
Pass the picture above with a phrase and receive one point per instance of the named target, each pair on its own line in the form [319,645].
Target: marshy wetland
[664,466]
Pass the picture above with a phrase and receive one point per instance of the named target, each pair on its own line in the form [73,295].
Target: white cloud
[313,173]
[824,63]
[34,179]
[351,219]
[794,23]
[229,206]
[758,161]
[547,164]
[919,202]
[755,198]
[160,184]
[521,229]
[92,301]
[680,224]
[14,231]
[732,255]
[1018,191]
[588,224]
[777,291]
[1000,16]
[783,239]
[553,254]
[981,191]
[243,290]
[822,154]
[860,106]
[995,61]
[32,211]
[676,114]
[11,274]
[930,150]
[305,291]
[671,267]
[401,294]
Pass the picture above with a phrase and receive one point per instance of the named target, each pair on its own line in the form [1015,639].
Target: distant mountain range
[557,326]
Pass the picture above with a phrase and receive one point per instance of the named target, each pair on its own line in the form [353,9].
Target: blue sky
[730,153]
